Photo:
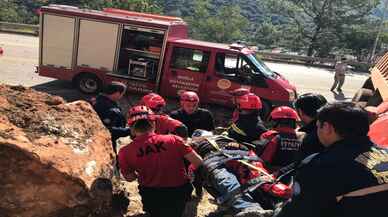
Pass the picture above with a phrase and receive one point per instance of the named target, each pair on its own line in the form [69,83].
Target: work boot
[254,212]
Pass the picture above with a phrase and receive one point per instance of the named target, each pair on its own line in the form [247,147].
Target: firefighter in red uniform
[235,97]
[283,143]
[157,162]
[248,127]
[164,124]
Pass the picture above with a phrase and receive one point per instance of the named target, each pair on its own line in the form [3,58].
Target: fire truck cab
[150,53]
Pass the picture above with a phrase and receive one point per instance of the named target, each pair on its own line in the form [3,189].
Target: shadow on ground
[68,92]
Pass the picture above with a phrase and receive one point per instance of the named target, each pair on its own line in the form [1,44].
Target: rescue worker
[339,75]
[283,143]
[157,162]
[248,127]
[110,113]
[191,115]
[164,124]
[307,106]
[348,179]
[194,118]
[235,96]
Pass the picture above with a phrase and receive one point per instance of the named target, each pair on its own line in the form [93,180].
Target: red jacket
[157,159]
[165,124]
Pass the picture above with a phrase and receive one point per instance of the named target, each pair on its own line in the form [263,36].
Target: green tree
[321,21]
[267,34]
[9,12]
[225,26]
[149,6]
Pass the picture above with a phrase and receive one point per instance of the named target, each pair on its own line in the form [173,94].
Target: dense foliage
[310,27]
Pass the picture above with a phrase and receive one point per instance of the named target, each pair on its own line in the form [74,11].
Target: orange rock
[55,158]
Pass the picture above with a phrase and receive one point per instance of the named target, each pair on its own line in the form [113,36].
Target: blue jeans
[225,182]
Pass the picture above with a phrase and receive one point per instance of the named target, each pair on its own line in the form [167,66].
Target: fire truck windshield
[261,67]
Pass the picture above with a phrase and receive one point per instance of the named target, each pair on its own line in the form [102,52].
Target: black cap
[309,103]
[114,87]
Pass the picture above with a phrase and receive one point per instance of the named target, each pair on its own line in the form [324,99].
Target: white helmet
[199,135]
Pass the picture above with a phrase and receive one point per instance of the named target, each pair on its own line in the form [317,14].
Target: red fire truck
[149,53]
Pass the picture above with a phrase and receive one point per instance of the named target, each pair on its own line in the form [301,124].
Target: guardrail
[19,28]
[312,61]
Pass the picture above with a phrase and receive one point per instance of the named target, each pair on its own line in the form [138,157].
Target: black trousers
[165,202]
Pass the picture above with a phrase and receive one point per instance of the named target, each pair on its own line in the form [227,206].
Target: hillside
[264,23]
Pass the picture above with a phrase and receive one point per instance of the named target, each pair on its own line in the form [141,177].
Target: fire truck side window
[233,66]
[190,59]
[227,64]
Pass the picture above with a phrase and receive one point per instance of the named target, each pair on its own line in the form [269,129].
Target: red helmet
[140,112]
[239,92]
[249,102]
[189,96]
[153,101]
[284,112]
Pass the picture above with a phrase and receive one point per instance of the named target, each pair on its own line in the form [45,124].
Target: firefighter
[235,95]
[348,179]
[110,113]
[194,118]
[248,127]
[157,162]
[283,143]
[191,115]
[164,123]
[307,106]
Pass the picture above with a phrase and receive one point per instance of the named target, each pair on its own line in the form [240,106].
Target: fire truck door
[224,76]
[185,70]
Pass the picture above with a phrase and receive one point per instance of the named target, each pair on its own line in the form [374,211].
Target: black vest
[288,147]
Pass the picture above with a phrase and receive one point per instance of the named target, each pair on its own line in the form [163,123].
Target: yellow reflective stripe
[238,130]
[364,191]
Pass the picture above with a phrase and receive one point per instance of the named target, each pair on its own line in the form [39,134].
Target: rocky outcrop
[55,157]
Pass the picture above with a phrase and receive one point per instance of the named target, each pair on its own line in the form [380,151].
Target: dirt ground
[195,208]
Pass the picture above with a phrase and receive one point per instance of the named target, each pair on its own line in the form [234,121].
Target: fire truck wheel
[88,83]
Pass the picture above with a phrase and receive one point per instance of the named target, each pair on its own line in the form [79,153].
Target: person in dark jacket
[248,127]
[306,106]
[110,113]
[349,178]
[191,115]
[193,118]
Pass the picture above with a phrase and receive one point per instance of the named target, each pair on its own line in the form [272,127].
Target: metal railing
[19,28]
[312,61]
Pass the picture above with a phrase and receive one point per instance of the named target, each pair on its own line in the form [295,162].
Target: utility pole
[385,8]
